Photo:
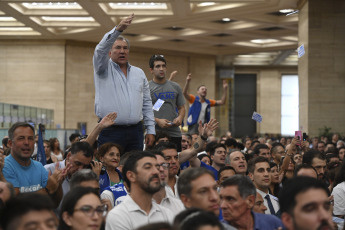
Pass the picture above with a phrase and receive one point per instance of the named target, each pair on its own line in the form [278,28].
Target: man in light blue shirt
[122,88]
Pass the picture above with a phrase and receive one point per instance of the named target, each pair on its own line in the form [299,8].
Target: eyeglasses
[164,165]
[157,55]
[89,211]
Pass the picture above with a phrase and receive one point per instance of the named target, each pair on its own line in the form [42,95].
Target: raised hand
[108,120]
[125,23]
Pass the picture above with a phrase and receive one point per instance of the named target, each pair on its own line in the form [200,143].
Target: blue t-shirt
[104,180]
[209,167]
[26,178]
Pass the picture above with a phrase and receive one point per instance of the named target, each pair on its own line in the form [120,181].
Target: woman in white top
[55,148]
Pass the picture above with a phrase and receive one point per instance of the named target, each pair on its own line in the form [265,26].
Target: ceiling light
[264,41]
[206,4]
[226,19]
[51,5]
[7,19]
[135,5]
[68,19]
[286,11]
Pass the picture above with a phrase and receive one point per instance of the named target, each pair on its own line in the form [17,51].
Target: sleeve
[107,195]
[10,175]
[149,120]
[213,102]
[191,98]
[100,56]
[339,201]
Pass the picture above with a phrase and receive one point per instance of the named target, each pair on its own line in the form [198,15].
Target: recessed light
[286,11]
[226,19]
[264,41]
[206,4]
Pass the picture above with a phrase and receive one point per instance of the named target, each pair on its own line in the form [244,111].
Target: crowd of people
[117,178]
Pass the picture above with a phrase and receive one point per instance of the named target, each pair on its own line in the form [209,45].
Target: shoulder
[267,219]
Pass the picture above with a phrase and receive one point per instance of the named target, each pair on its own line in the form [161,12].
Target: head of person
[259,172]
[332,160]
[274,173]
[6,192]
[123,160]
[109,154]
[54,144]
[304,204]
[321,146]
[201,91]
[29,211]
[79,156]
[340,143]
[197,219]
[283,141]
[224,173]
[305,170]
[169,151]
[186,141]
[340,175]
[237,198]
[248,143]
[259,205]
[277,151]
[341,153]
[74,137]
[163,167]
[85,178]
[21,140]
[141,171]
[161,136]
[46,146]
[156,226]
[262,150]
[4,143]
[158,66]
[81,209]
[218,154]
[198,189]
[237,160]
[298,159]
[230,144]
[119,52]
[314,142]
[317,160]
[205,158]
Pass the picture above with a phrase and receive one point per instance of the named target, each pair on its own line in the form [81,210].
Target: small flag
[158,104]
[41,155]
[257,117]
[301,51]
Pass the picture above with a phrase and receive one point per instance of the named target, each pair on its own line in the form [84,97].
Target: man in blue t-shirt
[25,174]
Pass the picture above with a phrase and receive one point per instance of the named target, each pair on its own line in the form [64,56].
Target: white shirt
[170,192]
[173,204]
[339,199]
[128,215]
[274,201]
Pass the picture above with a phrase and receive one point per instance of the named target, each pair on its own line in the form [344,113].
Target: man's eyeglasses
[90,211]
[164,165]
[158,55]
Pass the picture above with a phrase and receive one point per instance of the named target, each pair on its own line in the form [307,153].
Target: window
[289,105]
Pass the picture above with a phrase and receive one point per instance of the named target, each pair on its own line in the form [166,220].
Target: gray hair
[122,38]
[81,176]
[244,185]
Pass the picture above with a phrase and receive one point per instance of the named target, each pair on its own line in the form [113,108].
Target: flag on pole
[41,155]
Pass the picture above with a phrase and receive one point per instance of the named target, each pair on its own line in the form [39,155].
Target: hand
[149,140]
[207,129]
[163,123]
[177,121]
[189,77]
[173,75]
[225,84]
[55,179]
[96,167]
[108,120]
[125,23]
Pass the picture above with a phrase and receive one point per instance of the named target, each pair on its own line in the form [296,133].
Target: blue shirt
[266,221]
[26,178]
[209,167]
[128,96]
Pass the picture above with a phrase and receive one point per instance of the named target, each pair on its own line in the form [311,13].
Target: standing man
[200,109]
[122,88]
[167,118]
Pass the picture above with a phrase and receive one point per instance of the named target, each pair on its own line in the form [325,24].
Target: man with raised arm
[200,109]
[124,89]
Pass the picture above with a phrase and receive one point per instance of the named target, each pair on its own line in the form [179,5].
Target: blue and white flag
[257,117]
[301,51]
[41,155]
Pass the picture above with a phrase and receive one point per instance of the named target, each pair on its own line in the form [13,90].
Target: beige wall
[59,75]
[322,69]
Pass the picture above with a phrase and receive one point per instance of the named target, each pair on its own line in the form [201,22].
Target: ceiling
[238,32]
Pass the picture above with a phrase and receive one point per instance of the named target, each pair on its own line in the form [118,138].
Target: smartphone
[304,136]
[298,135]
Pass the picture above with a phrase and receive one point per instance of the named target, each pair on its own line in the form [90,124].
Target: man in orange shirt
[200,106]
